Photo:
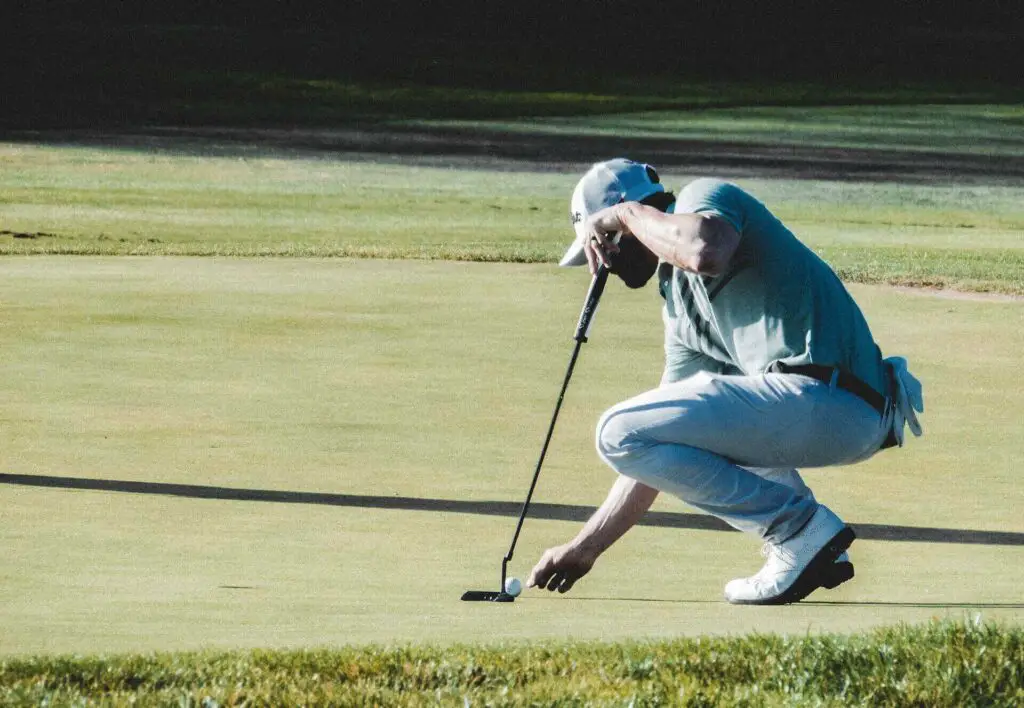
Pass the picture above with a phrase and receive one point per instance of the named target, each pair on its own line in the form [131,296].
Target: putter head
[487,596]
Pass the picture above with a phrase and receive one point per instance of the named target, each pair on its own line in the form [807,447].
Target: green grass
[424,380]
[91,201]
[106,202]
[926,126]
[362,361]
[939,664]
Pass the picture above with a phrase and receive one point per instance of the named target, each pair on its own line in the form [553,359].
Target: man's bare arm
[698,243]
[560,567]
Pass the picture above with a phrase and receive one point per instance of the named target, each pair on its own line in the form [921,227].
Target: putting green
[315,407]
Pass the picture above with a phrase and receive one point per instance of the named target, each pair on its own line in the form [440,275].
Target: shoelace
[774,556]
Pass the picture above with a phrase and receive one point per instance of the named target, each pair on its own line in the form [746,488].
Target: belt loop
[834,380]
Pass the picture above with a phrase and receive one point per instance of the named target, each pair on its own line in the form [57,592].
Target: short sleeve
[716,197]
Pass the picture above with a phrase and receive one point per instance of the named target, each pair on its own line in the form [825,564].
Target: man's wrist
[624,213]
[587,547]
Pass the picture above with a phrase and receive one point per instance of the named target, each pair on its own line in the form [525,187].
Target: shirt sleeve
[716,197]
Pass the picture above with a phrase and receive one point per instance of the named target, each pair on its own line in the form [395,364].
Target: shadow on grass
[481,148]
[575,598]
[538,510]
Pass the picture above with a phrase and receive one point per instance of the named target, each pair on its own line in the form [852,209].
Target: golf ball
[513,587]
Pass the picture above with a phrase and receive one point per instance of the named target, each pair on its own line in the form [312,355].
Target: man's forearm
[689,241]
[625,505]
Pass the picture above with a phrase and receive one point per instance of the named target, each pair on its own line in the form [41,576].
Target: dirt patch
[27,234]
[955,294]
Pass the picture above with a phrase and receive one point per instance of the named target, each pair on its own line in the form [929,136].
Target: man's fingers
[555,581]
[600,249]
[539,581]
[541,572]
[613,243]
[599,246]
[556,570]
[588,251]
[567,583]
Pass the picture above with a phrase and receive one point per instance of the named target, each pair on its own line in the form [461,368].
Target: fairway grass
[305,415]
[99,201]
[279,353]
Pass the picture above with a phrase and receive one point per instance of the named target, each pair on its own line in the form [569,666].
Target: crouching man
[769,367]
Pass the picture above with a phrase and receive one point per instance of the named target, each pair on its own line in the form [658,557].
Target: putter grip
[590,305]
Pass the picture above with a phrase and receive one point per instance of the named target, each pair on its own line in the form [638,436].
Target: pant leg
[784,475]
[681,363]
[697,438]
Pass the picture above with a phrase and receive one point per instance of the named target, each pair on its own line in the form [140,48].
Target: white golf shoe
[832,576]
[798,566]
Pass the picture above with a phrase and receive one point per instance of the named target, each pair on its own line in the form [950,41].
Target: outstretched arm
[560,567]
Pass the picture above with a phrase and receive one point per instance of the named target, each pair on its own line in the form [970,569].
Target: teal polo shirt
[776,302]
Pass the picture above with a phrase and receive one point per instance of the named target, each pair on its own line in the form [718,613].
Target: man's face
[634,263]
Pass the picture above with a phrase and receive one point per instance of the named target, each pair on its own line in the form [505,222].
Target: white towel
[909,398]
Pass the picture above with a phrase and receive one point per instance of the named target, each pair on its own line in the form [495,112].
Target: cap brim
[574,256]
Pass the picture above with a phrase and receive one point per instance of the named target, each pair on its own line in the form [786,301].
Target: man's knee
[616,435]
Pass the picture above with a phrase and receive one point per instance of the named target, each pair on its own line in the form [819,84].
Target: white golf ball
[513,587]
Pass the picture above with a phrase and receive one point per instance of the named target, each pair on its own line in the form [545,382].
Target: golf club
[582,332]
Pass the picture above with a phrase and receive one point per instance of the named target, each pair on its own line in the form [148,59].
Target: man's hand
[601,243]
[560,567]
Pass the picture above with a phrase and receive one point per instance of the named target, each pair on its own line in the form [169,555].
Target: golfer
[769,367]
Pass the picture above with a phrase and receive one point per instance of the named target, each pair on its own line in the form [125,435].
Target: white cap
[606,184]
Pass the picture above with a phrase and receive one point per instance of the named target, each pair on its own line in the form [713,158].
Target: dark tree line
[929,39]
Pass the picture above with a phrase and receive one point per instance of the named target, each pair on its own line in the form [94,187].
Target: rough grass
[939,664]
[948,128]
[996,270]
[993,270]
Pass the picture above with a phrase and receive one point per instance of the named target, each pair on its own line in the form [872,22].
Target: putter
[582,332]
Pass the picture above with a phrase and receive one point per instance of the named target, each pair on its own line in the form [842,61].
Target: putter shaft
[582,332]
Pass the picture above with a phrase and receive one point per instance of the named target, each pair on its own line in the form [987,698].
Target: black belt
[845,381]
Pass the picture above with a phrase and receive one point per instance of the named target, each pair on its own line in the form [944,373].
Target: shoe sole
[836,575]
[816,574]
